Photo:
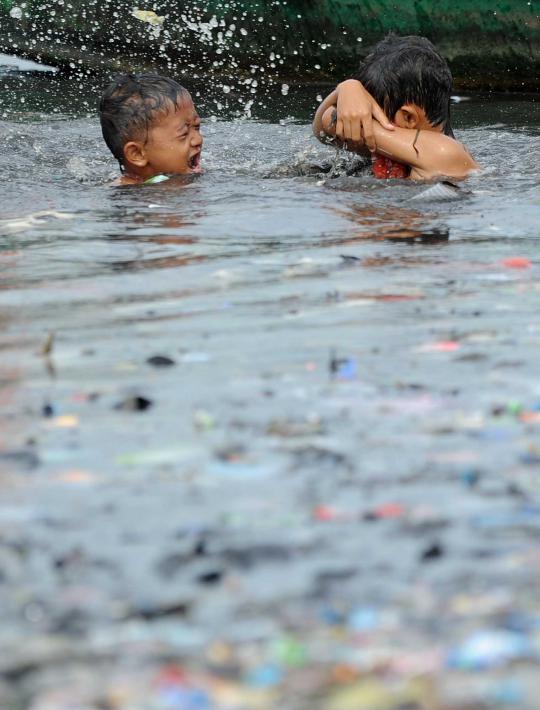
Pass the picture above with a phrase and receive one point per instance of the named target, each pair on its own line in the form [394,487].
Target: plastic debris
[289,428]
[169,455]
[203,419]
[325,513]
[64,421]
[160,361]
[48,344]
[47,410]
[134,403]
[364,619]
[148,16]
[443,346]
[433,552]
[290,652]
[444,191]
[343,368]
[517,262]
[265,676]
[470,477]
[386,510]
[372,694]
[490,648]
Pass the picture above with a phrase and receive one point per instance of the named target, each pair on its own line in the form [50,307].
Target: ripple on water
[335,355]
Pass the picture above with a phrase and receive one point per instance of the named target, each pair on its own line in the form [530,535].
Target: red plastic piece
[517,262]
[389,510]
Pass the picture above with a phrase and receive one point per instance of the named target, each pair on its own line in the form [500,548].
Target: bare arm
[431,154]
[357,112]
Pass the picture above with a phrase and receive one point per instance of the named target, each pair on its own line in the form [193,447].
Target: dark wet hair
[403,70]
[131,103]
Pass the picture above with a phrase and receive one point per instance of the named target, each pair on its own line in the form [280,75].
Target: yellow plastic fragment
[148,16]
[374,695]
[75,476]
[65,421]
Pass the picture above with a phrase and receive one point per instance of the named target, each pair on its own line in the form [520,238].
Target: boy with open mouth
[152,128]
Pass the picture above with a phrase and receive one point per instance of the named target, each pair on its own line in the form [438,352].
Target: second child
[412,83]
[151,127]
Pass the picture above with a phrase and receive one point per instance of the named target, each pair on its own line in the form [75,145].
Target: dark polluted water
[268,439]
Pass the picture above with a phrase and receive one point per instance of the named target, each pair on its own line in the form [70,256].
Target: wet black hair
[403,70]
[131,103]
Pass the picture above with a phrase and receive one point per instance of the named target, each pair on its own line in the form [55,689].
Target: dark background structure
[490,44]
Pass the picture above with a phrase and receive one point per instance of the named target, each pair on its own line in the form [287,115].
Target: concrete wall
[490,44]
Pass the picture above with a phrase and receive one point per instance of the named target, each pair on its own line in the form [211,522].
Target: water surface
[349,423]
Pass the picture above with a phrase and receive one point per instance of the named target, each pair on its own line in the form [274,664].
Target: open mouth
[195,162]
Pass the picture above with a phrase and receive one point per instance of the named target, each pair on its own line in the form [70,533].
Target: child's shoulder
[447,157]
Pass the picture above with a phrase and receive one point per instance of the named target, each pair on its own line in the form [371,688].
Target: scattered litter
[386,510]
[64,421]
[76,476]
[433,552]
[290,651]
[442,346]
[326,513]
[154,457]
[134,403]
[490,648]
[203,419]
[517,262]
[289,428]
[160,361]
[47,347]
[148,16]
[470,477]
[210,577]
[440,192]
[47,410]
[343,368]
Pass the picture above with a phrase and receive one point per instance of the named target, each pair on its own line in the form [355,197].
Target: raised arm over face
[356,112]
[429,153]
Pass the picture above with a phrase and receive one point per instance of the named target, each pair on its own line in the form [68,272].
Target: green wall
[490,44]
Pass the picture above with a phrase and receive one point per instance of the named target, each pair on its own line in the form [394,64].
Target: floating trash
[490,648]
[160,361]
[517,262]
[440,192]
[148,16]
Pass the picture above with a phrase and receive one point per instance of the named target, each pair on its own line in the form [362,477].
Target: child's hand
[328,122]
[356,109]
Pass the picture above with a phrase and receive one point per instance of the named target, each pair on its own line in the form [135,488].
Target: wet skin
[173,146]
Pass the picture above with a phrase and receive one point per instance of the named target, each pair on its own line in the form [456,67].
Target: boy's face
[174,141]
